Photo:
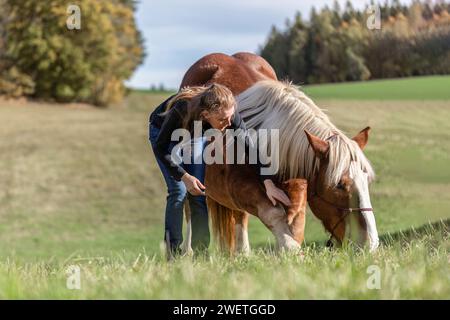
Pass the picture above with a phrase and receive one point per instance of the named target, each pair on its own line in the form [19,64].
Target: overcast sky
[179,32]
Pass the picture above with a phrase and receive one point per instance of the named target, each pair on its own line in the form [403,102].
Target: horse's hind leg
[241,232]
[186,246]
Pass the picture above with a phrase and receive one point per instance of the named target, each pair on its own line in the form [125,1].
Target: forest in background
[336,44]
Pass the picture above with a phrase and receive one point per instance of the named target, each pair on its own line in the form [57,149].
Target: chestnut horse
[318,162]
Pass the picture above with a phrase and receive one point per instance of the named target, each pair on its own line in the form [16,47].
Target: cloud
[178,32]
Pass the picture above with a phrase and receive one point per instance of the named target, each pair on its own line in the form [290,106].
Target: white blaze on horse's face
[361,189]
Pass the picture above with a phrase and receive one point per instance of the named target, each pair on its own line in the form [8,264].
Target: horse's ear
[362,137]
[319,146]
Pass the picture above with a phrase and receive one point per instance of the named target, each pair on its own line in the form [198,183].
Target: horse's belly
[217,186]
[236,187]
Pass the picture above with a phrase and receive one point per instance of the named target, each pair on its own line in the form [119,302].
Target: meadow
[79,185]
[414,88]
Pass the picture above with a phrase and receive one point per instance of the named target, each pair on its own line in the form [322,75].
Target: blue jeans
[176,195]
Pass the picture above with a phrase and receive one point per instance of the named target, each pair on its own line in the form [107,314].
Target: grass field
[79,185]
[416,88]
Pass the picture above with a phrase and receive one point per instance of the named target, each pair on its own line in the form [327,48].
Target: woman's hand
[193,185]
[274,193]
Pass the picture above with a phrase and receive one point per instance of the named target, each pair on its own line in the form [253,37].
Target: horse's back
[237,72]
[258,63]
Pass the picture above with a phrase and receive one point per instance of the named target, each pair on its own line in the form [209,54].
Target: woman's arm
[171,122]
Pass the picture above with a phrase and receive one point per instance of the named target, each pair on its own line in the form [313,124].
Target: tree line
[41,57]
[337,44]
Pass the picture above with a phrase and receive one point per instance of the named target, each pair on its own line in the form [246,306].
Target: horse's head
[342,203]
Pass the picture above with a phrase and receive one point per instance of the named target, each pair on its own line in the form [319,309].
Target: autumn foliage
[41,57]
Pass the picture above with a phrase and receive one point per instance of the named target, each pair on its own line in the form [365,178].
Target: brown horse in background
[310,161]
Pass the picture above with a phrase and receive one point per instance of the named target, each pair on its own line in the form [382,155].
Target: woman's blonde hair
[201,98]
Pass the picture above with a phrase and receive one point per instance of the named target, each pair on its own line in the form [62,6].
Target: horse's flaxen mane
[278,105]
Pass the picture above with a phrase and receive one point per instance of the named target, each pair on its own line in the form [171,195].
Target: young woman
[215,106]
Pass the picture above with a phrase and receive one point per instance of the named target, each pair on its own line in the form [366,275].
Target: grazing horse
[318,162]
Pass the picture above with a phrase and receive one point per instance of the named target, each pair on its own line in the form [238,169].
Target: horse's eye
[340,186]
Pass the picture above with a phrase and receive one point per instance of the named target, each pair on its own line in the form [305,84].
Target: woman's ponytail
[186,93]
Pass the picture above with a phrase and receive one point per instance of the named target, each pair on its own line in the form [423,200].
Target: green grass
[410,266]
[416,88]
[79,185]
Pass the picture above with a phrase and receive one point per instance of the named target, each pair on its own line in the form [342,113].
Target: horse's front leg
[241,232]
[274,217]
[296,190]
[251,197]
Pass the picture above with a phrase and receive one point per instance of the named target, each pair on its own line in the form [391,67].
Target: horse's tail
[222,221]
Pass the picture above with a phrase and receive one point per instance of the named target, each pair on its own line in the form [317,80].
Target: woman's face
[220,119]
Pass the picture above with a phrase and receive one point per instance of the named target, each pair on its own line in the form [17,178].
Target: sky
[179,32]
